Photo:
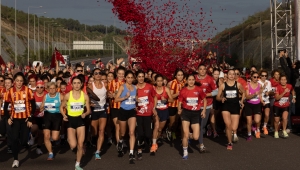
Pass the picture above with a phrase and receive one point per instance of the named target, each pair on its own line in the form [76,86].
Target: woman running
[127,96]
[163,96]
[228,94]
[267,88]
[253,105]
[209,87]
[38,117]
[113,88]
[75,101]
[22,107]
[281,105]
[52,117]
[144,114]
[8,83]
[274,83]
[99,115]
[191,101]
[175,86]
[216,105]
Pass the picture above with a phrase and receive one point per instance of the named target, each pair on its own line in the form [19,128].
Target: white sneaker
[235,138]
[39,151]
[15,164]
[31,141]
[288,131]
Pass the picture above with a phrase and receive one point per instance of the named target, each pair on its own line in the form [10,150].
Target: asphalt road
[265,153]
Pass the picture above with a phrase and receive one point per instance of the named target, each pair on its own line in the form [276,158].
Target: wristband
[294,97]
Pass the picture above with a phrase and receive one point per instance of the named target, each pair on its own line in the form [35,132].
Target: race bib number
[38,105]
[99,108]
[192,101]
[283,101]
[143,101]
[76,106]
[160,105]
[50,106]
[130,100]
[19,108]
[230,94]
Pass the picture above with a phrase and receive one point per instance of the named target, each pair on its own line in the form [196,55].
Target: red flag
[56,56]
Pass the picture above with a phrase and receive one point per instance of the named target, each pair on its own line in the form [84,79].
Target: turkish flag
[56,56]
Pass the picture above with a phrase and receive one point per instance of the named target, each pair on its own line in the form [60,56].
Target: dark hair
[157,76]
[253,66]
[8,78]
[176,72]
[121,68]
[20,74]
[196,82]
[59,78]
[45,77]
[201,64]
[112,74]
[252,73]
[128,72]
[76,77]
[216,69]
[283,75]
[82,77]
[139,72]
[33,76]
[63,83]
[297,63]
[274,71]
[60,72]
[96,70]
[78,65]
[150,70]
[263,71]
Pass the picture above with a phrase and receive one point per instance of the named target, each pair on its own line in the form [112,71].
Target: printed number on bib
[283,101]
[99,108]
[19,106]
[160,105]
[130,100]
[230,94]
[76,106]
[143,101]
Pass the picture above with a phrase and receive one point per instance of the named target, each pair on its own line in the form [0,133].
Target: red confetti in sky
[161,33]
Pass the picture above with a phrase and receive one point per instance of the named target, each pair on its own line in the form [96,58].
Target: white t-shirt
[267,89]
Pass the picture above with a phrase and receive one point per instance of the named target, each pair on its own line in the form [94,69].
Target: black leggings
[143,128]
[20,132]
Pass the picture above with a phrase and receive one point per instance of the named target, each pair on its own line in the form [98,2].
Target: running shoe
[120,146]
[249,138]
[288,130]
[208,132]
[216,134]
[15,164]
[131,158]
[285,134]
[153,148]
[173,135]
[202,149]
[9,150]
[31,141]
[185,157]
[257,135]
[159,140]
[109,141]
[139,156]
[39,151]
[276,136]
[271,129]
[229,146]
[124,144]
[50,157]
[97,156]
[235,138]
[265,129]
[169,135]
[78,167]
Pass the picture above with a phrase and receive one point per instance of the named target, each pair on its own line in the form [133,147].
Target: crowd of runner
[140,109]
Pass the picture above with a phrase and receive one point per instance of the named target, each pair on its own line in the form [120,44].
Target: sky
[94,12]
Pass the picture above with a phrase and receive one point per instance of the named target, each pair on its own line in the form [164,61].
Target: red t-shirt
[146,97]
[242,82]
[284,101]
[162,105]
[192,99]
[38,102]
[274,84]
[208,84]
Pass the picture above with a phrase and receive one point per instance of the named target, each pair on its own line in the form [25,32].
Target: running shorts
[191,116]
[126,114]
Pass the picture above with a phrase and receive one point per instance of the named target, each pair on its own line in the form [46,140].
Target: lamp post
[45,36]
[38,35]
[16,54]
[28,33]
